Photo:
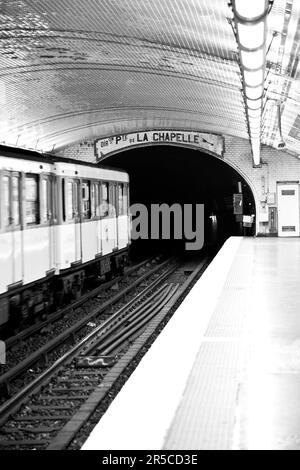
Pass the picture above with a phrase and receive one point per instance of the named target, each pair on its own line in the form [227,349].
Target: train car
[61,222]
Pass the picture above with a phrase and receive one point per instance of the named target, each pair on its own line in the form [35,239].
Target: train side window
[104,211]
[125,199]
[31,199]
[69,200]
[15,199]
[11,200]
[98,199]
[46,209]
[119,199]
[76,198]
[6,200]
[113,199]
[85,199]
[122,199]
[95,200]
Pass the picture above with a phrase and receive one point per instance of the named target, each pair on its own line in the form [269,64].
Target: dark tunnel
[169,174]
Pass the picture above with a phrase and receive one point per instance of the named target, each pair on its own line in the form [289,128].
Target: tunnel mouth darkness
[164,174]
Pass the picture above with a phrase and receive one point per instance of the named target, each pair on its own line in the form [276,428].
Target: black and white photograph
[149,229]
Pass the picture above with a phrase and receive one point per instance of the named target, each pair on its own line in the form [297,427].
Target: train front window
[31,200]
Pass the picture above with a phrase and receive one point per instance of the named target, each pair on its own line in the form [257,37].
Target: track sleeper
[53,407]
[44,430]
[42,418]
[62,397]
[23,442]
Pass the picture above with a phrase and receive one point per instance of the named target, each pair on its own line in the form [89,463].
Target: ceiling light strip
[250,18]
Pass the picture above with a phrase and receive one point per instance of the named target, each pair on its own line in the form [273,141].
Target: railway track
[50,411]
[30,331]
[24,366]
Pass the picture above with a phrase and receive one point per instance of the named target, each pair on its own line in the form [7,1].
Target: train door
[108,217]
[114,215]
[47,217]
[89,227]
[288,209]
[95,212]
[11,236]
[77,220]
[71,236]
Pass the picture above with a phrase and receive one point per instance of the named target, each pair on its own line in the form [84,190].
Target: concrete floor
[234,383]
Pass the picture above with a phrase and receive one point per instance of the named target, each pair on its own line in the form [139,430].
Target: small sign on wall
[271,198]
[248,220]
[264,216]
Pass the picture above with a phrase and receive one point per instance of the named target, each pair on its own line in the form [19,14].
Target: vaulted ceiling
[82,69]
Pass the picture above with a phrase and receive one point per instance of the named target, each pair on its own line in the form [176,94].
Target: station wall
[276,166]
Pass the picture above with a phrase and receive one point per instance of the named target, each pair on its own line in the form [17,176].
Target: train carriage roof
[32,155]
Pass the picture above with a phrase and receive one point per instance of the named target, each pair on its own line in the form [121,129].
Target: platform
[225,372]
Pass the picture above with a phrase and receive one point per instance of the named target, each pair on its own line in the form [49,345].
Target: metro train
[61,222]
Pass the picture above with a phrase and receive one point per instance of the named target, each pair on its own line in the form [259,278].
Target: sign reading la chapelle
[199,140]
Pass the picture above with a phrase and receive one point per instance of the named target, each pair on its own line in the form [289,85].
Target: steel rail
[22,335]
[42,352]
[14,403]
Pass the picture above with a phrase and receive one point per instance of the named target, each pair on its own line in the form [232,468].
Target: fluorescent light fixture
[250,9]
[251,36]
[254,119]
[255,134]
[255,128]
[252,59]
[251,31]
[256,151]
[254,113]
[253,78]
[254,104]
[255,124]
[253,93]
[255,143]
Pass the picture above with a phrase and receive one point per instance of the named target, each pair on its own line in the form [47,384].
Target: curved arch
[203,150]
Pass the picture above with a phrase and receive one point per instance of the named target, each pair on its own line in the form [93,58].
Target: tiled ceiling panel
[79,69]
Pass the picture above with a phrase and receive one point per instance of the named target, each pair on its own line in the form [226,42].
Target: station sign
[197,140]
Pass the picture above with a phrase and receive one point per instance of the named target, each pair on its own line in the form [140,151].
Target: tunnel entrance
[169,174]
